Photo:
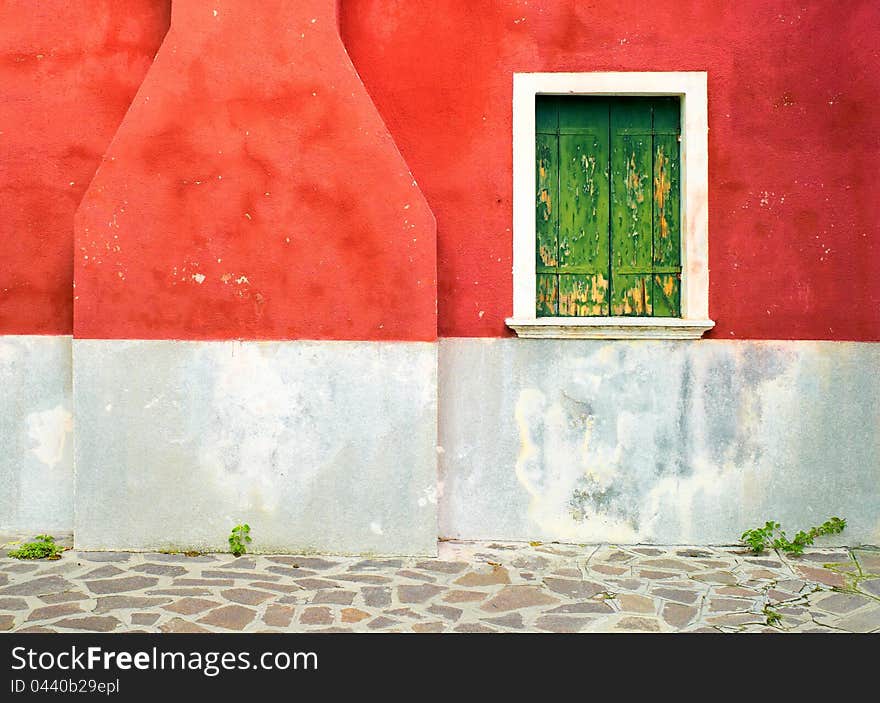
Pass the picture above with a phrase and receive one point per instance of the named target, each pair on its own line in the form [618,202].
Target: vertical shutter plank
[583,206]
[546,205]
[667,208]
[667,227]
[546,210]
[631,207]
[583,202]
[667,201]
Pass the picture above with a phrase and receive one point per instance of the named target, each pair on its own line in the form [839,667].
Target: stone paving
[471,587]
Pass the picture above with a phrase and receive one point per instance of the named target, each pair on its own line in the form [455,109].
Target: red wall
[252,191]
[794,140]
[68,72]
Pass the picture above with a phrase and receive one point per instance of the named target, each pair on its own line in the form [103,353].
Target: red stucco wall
[794,140]
[252,191]
[68,72]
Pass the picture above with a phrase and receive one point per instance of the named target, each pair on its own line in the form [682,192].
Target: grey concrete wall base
[657,442]
[319,446]
[36,443]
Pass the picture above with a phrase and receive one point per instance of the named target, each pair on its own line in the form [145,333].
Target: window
[610,220]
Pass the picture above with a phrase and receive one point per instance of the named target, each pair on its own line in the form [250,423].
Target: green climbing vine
[772,535]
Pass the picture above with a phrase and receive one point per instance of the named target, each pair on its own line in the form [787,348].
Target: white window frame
[690,86]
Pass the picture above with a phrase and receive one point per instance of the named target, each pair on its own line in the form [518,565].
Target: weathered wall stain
[50,431]
[655,442]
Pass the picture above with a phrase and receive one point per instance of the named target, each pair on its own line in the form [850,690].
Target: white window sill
[609,327]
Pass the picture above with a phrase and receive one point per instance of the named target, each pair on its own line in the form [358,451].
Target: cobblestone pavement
[471,587]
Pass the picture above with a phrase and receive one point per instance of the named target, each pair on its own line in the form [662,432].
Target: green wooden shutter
[607,206]
[645,207]
[572,206]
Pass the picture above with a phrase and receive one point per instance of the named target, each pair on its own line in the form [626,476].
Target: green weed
[43,547]
[241,536]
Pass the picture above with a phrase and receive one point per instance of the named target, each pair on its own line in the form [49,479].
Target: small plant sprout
[772,535]
[772,617]
[43,547]
[240,537]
